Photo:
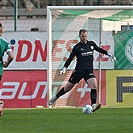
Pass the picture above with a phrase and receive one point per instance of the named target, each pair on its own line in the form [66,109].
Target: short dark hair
[82,30]
[0,24]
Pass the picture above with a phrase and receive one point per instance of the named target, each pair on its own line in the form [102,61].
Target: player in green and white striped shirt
[4,47]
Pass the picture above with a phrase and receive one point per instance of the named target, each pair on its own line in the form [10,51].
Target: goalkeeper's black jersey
[84,54]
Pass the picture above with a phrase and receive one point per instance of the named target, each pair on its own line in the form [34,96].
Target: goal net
[111,27]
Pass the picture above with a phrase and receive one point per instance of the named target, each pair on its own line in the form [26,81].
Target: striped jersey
[4,47]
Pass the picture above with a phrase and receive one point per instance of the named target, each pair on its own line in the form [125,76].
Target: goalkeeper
[84,68]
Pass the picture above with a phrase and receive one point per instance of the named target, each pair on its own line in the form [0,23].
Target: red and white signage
[30,50]
[24,89]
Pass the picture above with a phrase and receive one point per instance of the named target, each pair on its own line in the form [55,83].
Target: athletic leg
[1,102]
[93,85]
[65,89]
[93,95]
[1,106]
[62,91]
[74,78]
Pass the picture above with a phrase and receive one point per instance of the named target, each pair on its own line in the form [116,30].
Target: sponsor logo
[86,53]
[17,90]
[27,50]
[129,50]
[124,85]
[92,47]
[91,74]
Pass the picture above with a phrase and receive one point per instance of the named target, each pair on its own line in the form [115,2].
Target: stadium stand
[45,3]
[38,7]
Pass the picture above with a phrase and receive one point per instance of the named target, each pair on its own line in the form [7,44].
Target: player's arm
[9,58]
[69,60]
[100,50]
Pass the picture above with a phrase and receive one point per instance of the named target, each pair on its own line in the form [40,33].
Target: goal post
[105,25]
[49,51]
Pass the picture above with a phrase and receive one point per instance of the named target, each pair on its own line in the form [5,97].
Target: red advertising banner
[24,89]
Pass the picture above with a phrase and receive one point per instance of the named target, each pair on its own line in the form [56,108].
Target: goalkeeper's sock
[60,93]
[93,96]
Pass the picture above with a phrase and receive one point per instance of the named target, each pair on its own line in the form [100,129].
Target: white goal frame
[49,33]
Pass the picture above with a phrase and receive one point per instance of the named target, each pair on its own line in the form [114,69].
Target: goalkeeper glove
[63,70]
[112,57]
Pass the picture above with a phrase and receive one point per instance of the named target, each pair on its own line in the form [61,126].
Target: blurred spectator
[92,2]
[21,4]
[87,3]
[29,5]
[58,2]
[97,2]
[11,3]
[50,3]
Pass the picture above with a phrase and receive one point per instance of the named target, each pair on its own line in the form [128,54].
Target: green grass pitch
[66,120]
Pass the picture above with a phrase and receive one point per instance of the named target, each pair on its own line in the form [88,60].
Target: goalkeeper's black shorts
[77,76]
